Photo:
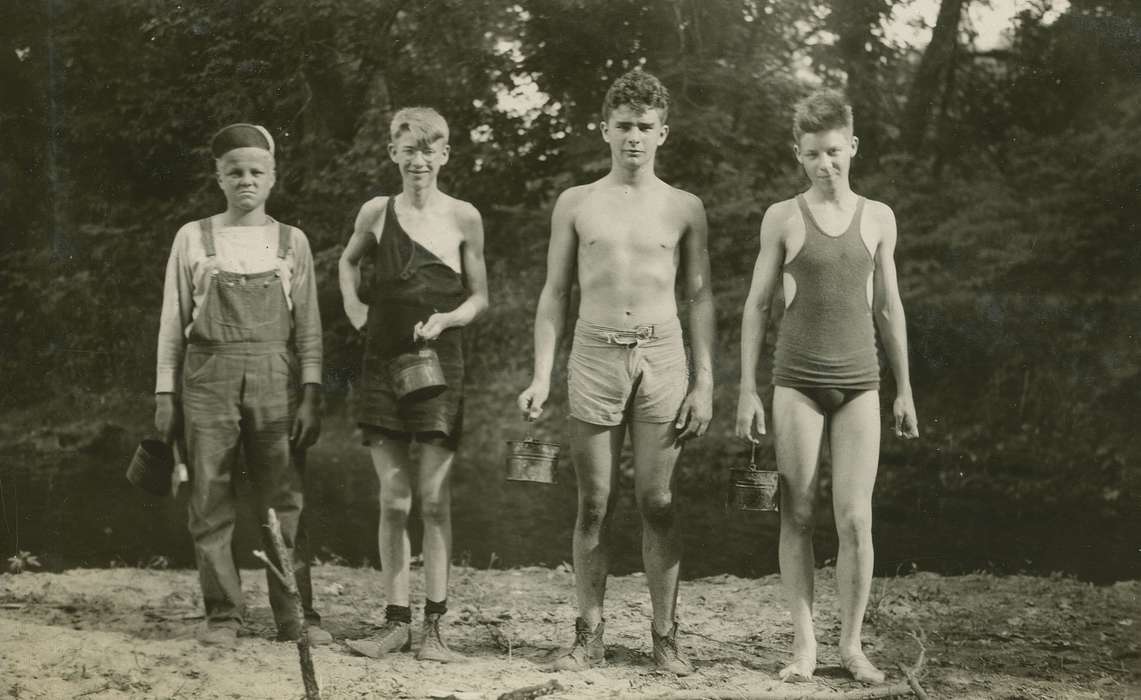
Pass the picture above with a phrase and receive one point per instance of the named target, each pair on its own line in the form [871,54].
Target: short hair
[821,111]
[424,123]
[640,90]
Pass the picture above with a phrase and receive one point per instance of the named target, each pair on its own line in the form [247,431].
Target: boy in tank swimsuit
[429,281]
[833,251]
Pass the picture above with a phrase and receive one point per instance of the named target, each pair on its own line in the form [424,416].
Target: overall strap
[207,227]
[284,238]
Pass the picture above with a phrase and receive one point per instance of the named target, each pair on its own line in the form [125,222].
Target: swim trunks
[639,374]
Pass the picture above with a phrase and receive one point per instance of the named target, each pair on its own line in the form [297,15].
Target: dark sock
[398,613]
[431,607]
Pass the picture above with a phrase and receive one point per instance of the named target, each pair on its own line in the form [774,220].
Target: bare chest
[637,229]
[436,232]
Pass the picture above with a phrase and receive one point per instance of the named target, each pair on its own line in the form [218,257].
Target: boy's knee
[800,519]
[854,525]
[592,511]
[395,509]
[657,509]
[435,510]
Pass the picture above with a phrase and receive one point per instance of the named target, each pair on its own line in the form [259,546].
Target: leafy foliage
[1018,212]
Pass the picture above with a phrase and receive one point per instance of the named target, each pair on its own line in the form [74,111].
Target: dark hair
[821,111]
[640,90]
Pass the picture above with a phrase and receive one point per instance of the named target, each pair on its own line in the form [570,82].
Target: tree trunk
[853,21]
[931,76]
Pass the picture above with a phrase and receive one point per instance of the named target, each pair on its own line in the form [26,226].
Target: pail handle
[753,457]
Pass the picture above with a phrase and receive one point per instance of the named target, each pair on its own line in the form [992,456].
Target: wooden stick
[914,672]
[285,575]
[532,691]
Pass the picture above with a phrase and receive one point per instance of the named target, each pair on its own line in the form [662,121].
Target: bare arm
[697,409]
[475,273]
[892,324]
[754,317]
[349,266]
[550,314]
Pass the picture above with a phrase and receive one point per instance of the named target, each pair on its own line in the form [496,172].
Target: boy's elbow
[890,313]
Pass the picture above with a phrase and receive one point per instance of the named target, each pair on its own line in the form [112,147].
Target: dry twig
[286,576]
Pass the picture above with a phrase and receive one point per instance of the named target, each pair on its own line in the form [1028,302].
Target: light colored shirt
[243,250]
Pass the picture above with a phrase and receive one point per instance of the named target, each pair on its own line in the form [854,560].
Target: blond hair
[424,123]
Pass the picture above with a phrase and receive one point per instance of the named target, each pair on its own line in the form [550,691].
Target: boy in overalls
[239,363]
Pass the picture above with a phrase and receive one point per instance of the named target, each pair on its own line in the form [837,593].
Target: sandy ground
[118,633]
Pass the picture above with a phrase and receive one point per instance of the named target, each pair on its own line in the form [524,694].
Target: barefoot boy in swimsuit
[627,235]
[429,282]
[833,250]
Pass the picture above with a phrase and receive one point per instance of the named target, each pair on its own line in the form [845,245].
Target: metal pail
[151,466]
[751,488]
[531,460]
[754,489]
[417,376]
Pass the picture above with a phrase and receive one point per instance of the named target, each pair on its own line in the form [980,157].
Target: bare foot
[861,669]
[802,667]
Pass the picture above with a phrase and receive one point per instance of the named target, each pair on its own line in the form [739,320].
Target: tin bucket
[417,376]
[151,466]
[751,488]
[531,460]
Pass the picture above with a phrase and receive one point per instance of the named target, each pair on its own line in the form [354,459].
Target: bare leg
[390,459]
[596,451]
[855,443]
[655,455]
[799,427]
[436,511]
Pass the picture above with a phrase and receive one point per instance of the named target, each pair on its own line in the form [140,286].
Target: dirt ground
[116,633]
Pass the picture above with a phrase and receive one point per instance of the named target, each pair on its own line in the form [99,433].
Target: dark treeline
[1014,173]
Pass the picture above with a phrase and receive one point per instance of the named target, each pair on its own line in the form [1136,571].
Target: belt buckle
[644,332]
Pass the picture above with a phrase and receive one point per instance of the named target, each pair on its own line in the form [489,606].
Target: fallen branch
[913,672]
[532,691]
[896,690]
[286,576]
[748,648]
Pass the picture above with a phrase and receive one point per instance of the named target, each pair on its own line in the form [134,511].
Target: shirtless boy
[833,252]
[627,235]
[429,282]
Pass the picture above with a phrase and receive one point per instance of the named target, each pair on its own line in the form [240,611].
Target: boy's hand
[532,399]
[432,328]
[695,413]
[357,311]
[307,423]
[750,416]
[167,417]
[906,422]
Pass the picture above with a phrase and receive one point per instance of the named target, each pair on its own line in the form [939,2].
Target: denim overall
[240,387]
